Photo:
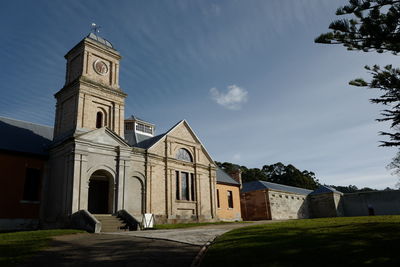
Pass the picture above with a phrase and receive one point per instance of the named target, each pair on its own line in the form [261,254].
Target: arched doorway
[101,193]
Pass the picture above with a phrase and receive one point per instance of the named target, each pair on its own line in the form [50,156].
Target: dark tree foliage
[275,173]
[388,81]
[227,166]
[374,26]
[353,189]
[253,174]
[290,175]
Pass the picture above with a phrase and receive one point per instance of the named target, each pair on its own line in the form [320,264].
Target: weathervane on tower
[95,28]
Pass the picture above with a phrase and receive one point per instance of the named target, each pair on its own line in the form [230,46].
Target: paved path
[175,247]
[194,235]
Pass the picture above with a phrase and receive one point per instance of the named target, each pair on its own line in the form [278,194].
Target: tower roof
[100,40]
[135,118]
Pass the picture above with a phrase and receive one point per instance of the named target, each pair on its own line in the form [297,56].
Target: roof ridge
[285,185]
[26,122]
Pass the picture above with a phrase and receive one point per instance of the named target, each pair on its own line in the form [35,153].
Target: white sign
[148,220]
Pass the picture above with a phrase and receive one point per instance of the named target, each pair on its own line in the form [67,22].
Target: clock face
[100,67]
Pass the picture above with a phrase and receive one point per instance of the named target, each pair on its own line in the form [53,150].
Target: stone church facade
[95,162]
[102,163]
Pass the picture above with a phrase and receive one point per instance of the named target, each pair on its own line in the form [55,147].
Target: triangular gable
[192,133]
[103,136]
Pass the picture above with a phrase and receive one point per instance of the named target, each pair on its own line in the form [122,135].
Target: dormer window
[144,128]
[184,155]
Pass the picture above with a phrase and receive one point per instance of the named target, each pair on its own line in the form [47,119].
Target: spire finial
[95,28]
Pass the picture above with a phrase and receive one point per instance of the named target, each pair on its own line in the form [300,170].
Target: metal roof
[323,189]
[146,144]
[133,138]
[259,185]
[135,118]
[223,177]
[22,136]
[100,40]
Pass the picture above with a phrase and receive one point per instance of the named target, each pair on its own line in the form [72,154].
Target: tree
[253,174]
[290,175]
[275,173]
[374,26]
[227,166]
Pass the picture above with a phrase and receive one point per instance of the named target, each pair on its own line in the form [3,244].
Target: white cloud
[233,98]
[237,156]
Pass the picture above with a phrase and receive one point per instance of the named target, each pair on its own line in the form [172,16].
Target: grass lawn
[187,225]
[351,241]
[14,247]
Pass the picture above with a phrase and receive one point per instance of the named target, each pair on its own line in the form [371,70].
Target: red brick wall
[12,178]
[254,205]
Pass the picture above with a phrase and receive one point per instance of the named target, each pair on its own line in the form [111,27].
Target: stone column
[79,179]
[122,159]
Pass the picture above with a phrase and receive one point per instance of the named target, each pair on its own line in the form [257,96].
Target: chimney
[237,176]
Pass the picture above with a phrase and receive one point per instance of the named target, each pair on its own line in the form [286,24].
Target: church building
[97,162]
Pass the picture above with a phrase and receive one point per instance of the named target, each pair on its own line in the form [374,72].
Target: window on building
[177,185]
[128,126]
[144,128]
[192,187]
[230,199]
[184,155]
[99,119]
[218,205]
[185,185]
[32,185]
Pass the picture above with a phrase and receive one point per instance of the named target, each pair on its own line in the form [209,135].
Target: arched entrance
[101,193]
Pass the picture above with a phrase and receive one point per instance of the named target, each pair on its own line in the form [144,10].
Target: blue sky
[246,75]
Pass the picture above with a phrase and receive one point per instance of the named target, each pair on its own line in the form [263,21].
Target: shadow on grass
[311,243]
[110,250]
[16,246]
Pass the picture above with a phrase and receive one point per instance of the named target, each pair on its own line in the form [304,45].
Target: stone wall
[379,202]
[326,205]
[285,205]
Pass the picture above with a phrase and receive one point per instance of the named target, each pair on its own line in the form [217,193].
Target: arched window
[99,119]
[184,155]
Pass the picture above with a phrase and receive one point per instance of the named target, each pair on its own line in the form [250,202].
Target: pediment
[102,136]
[182,131]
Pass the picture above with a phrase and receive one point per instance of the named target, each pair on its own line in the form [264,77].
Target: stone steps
[110,223]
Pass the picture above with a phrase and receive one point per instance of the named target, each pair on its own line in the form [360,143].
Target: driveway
[175,247]
[193,236]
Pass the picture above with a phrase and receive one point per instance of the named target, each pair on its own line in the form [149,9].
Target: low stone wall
[372,203]
[284,205]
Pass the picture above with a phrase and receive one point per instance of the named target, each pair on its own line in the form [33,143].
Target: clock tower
[91,97]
